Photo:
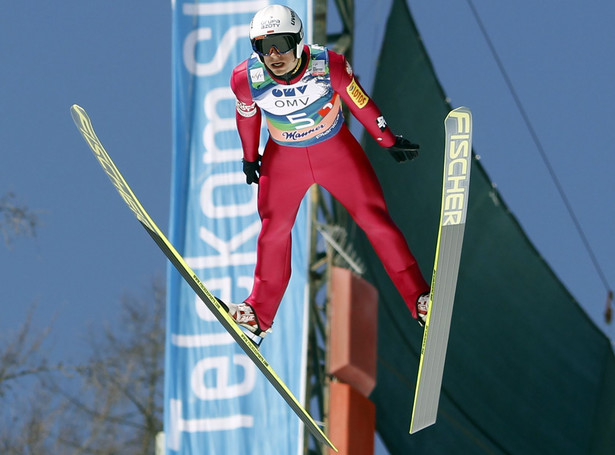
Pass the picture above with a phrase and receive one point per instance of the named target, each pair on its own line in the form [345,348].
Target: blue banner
[216,401]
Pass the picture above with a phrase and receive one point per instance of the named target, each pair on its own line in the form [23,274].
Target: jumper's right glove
[403,150]
[252,170]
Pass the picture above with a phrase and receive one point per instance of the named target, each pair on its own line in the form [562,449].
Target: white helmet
[279,27]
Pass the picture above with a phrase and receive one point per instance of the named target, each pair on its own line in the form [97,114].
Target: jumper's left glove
[252,170]
[403,150]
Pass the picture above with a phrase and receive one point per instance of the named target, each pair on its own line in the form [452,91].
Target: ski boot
[422,307]
[243,314]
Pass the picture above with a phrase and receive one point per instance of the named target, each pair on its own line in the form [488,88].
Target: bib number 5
[301,121]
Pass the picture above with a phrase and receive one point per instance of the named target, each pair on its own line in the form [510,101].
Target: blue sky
[114,59]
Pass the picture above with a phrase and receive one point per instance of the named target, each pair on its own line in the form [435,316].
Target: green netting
[527,372]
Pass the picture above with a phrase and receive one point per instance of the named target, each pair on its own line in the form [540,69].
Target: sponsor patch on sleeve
[244,109]
[382,123]
[356,94]
[348,69]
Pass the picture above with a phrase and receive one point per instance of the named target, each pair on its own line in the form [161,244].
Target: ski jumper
[310,143]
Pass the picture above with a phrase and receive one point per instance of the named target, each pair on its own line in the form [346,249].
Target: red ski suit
[309,143]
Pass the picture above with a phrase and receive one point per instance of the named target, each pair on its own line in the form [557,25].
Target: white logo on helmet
[271,23]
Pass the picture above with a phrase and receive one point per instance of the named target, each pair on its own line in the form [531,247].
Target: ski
[455,192]
[84,124]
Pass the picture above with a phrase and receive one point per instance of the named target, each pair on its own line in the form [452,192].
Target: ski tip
[77,112]
[461,108]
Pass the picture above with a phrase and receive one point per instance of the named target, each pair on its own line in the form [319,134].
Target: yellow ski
[81,119]
[455,192]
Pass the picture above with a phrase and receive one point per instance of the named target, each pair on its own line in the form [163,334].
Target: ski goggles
[282,43]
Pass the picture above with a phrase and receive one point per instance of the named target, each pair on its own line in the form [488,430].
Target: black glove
[403,150]
[252,171]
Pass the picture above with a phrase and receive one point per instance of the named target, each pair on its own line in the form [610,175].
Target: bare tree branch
[21,356]
[121,393]
[15,219]
[110,405]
